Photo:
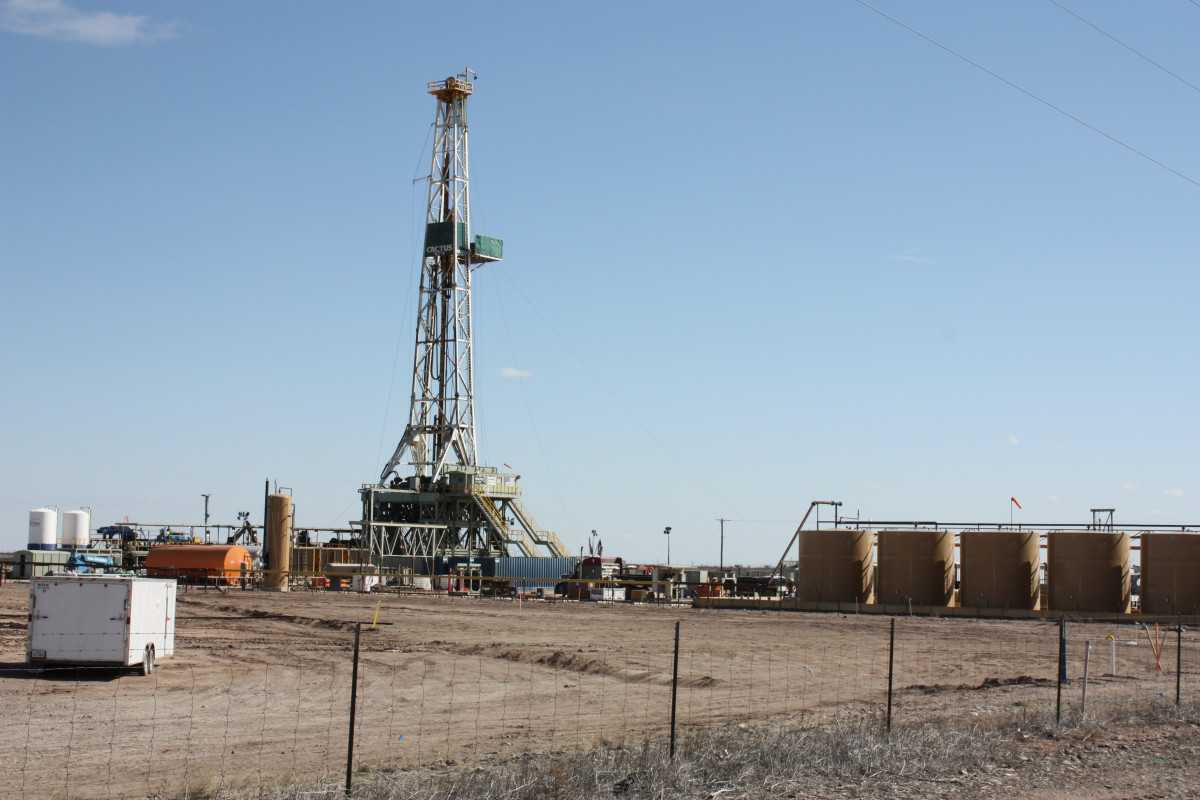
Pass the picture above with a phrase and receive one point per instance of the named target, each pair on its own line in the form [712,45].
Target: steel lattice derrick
[441,427]
[448,504]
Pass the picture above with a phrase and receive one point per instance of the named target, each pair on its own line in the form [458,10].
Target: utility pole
[206,496]
[667,531]
[722,520]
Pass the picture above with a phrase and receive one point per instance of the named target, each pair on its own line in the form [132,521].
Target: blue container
[533,572]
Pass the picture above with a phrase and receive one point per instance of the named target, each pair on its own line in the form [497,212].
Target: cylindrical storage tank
[222,564]
[1170,573]
[43,529]
[1000,569]
[1088,571]
[836,566]
[76,528]
[916,566]
[279,541]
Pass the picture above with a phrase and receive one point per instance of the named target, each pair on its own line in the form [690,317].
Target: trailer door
[78,621]
[152,618]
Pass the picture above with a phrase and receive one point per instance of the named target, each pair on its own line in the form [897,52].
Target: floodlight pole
[206,496]
[722,520]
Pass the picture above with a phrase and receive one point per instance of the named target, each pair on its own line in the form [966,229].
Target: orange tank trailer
[224,564]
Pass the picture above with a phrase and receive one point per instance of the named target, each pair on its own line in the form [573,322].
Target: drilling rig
[445,503]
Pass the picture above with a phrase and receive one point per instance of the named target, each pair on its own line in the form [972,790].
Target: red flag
[1015,501]
[508,466]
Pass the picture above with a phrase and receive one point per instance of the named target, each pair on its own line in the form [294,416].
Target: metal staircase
[547,538]
[521,539]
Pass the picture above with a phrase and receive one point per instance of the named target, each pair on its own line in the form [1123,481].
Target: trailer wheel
[148,660]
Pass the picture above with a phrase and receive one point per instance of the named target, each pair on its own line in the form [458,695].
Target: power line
[537,436]
[1028,93]
[407,297]
[1127,47]
[617,397]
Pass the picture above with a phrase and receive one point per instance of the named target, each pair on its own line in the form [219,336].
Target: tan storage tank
[916,565]
[836,566]
[223,564]
[1000,569]
[279,541]
[1170,573]
[1088,571]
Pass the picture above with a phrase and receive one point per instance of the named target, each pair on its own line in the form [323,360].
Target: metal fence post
[353,705]
[674,687]
[1087,655]
[1062,667]
[1178,659]
[891,664]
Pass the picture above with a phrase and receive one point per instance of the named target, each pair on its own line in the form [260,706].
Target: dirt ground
[259,690]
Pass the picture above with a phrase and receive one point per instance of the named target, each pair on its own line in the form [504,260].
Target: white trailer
[101,620]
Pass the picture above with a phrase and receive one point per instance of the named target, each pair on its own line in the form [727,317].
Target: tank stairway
[547,538]
[521,540]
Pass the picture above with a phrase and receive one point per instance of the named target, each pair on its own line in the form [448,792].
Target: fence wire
[246,713]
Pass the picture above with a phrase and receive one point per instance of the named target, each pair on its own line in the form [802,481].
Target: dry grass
[844,758]
[731,762]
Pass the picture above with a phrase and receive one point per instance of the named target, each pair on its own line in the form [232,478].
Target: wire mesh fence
[256,709]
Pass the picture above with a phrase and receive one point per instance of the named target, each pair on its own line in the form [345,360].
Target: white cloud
[1130,487]
[1158,512]
[1174,492]
[1012,440]
[513,372]
[1052,497]
[54,19]
[913,256]
[1056,446]
[873,486]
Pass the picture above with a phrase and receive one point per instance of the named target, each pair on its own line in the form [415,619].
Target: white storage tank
[76,528]
[43,529]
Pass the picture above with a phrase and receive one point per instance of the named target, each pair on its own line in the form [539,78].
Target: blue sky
[755,255]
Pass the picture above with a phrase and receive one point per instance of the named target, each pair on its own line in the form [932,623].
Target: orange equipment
[223,564]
